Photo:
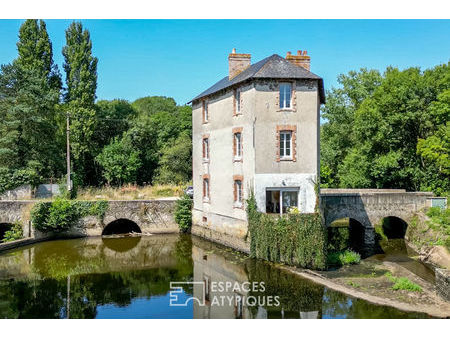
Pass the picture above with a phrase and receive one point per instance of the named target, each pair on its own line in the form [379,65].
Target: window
[237,101]
[280,200]
[285,95]
[205,111]
[206,282]
[238,191]
[206,188]
[205,148]
[286,144]
[237,146]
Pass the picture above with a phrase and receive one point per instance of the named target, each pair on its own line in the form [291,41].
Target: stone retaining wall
[443,283]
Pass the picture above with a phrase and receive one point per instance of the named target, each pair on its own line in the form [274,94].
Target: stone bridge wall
[369,207]
[152,216]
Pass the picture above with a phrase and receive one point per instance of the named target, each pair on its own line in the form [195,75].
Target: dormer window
[205,111]
[285,95]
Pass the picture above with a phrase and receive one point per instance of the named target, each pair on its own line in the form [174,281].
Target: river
[130,277]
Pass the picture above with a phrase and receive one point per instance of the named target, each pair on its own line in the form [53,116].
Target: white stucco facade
[218,216]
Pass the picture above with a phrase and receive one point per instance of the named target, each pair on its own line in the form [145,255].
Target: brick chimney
[237,63]
[301,59]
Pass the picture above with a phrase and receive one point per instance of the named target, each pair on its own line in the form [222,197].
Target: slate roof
[272,67]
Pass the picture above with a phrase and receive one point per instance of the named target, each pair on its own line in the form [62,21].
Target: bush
[183,213]
[16,232]
[403,283]
[61,214]
[341,258]
[295,239]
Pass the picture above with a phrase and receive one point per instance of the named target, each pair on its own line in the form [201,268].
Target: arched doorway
[394,227]
[4,227]
[121,226]
[346,233]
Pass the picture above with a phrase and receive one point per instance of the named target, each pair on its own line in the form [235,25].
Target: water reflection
[130,278]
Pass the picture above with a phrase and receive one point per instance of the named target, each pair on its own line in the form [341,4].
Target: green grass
[403,283]
[346,257]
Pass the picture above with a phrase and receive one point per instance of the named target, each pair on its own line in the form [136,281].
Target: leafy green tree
[175,165]
[80,67]
[120,162]
[154,104]
[29,93]
[379,130]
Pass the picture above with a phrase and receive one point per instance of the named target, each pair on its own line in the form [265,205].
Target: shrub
[403,283]
[61,214]
[296,239]
[16,232]
[341,258]
[183,213]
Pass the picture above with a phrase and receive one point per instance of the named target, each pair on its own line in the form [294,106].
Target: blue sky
[181,58]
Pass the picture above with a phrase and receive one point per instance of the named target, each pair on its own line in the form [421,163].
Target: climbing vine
[60,214]
[296,239]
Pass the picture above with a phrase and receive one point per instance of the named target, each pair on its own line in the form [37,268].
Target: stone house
[256,130]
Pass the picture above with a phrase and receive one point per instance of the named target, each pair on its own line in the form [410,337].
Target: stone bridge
[369,207]
[146,216]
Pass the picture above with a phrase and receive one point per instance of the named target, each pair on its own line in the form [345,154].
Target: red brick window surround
[205,147]
[286,143]
[205,111]
[206,188]
[237,102]
[238,191]
[237,144]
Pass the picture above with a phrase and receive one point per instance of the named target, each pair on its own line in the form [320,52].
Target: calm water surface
[130,278]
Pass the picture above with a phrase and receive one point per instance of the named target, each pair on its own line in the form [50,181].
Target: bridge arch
[394,227]
[3,228]
[352,233]
[121,226]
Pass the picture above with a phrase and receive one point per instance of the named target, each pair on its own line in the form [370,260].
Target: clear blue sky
[181,58]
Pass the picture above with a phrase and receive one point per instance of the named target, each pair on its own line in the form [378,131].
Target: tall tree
[29,93]
[80,67]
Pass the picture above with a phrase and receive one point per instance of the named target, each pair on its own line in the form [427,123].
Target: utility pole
[69,185]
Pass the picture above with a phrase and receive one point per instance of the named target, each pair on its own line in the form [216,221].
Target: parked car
[189,191]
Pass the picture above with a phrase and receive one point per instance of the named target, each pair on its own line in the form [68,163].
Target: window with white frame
[285,95]
[238,145]
[205,148]
[205,111]
[281,200]
[286,144]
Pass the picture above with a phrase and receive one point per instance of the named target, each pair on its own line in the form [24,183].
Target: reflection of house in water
[298,298]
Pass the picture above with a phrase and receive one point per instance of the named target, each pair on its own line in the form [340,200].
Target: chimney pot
[302,59]
[233,51]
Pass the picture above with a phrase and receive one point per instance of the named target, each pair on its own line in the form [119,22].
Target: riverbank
[369,281]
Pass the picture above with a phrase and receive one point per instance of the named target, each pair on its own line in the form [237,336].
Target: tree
[29,93]
[81,80]
[154,104]
[379,130]
[175,165]
[120,162]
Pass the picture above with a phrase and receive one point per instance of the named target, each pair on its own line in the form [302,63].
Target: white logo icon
[177,290]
